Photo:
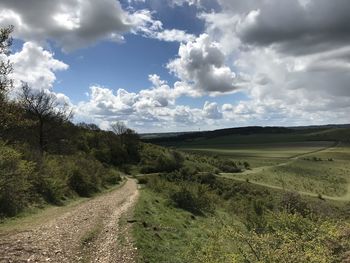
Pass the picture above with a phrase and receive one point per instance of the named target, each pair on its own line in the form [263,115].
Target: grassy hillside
[236,222]
[286,202]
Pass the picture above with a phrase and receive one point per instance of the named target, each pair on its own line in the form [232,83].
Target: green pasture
[316,167]
[325,172]
[264,151]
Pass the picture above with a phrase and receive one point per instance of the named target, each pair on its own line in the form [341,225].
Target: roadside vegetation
[203,218]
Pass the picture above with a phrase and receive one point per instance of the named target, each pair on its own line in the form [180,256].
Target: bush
[52,180]
[15,177]
[112,177]
[142,180]
[82,183]
[293,203]
[194,198]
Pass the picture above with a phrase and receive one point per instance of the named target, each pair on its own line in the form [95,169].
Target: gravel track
[92,231]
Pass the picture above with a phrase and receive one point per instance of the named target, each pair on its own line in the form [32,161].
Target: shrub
[112,176]
[52,180]
[293,203]
[81,183]
[246,165]
[194,198]
[142,180]
[15,176]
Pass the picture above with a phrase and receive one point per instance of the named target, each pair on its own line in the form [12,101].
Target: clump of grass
[90,236]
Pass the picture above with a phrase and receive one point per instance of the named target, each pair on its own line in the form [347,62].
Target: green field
[271,150]
[325,172]
[312,167]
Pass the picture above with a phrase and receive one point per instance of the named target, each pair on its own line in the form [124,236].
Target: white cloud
[73,24]
[70,23]
[35,66]
[293,59]
[201,65]
[211,110]
[147,26]
[152,109]
[174,35]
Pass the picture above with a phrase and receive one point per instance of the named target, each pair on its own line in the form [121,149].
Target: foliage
[5,65]
[43,107]
[194,198]
[293,238]
[156,159]
[15,177]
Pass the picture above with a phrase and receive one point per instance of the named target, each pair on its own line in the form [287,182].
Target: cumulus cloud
[297,27]
[211,110]
[293,56]
[70,23]
[35,66]
[149,27]
[201,65]
[73,24]
[152,109]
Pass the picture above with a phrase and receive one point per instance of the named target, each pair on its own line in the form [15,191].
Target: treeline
[218,133]
[44,157]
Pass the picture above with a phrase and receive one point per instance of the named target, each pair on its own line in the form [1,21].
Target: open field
[280,160]
[325,172]
[271,150]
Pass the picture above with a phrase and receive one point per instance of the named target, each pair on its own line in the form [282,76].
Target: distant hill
[244,134]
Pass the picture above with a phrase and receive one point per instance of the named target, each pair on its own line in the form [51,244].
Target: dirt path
[92,231]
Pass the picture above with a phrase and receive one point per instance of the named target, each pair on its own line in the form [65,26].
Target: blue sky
[181,65]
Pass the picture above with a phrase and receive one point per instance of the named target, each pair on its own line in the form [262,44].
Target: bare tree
[120,129]
[9,116]
[5,65]
[44,107]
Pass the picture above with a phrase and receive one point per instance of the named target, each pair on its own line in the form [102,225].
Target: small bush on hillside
[15,177]
[195,198]
[293,203]
[86,176]
[255,218]
[81,183]
[246,165]
[142,180]
[52,180]
[112,176]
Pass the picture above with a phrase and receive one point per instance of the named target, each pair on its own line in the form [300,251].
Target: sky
[186,65]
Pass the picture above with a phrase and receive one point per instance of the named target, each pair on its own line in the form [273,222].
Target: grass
[309,166]
[326,172]
[90,235]
[264,151]
[164,233]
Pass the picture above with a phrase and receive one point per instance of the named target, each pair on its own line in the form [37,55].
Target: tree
[8,111]
[120,129]
[128,138]
[44,108]
[5,65]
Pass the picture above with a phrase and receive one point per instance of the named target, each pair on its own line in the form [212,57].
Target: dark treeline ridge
[304,133]
[222,132]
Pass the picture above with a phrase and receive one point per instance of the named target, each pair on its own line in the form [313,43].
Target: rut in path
[89,232]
